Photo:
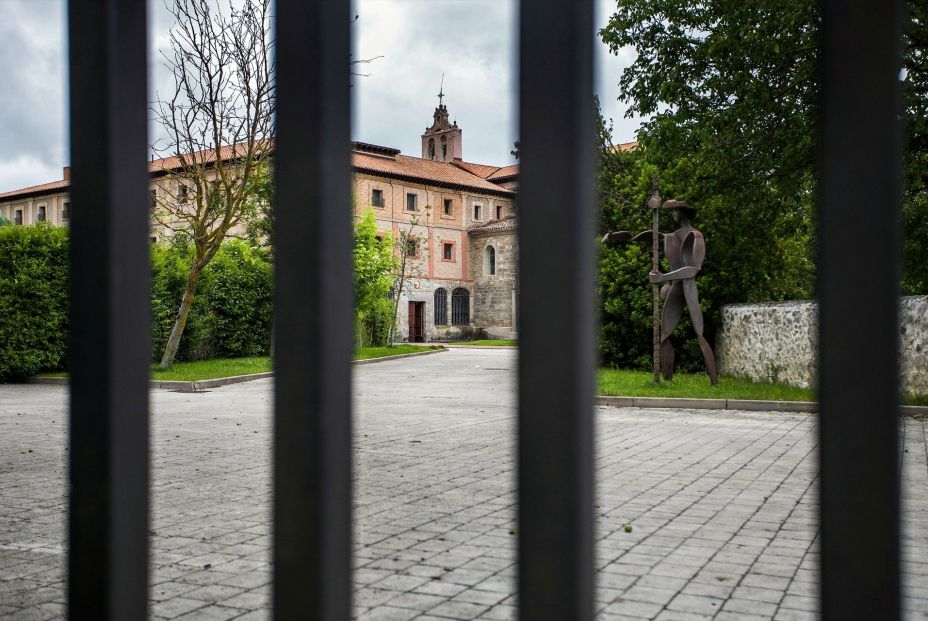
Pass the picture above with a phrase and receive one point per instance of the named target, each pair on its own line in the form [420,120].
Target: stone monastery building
[459,218]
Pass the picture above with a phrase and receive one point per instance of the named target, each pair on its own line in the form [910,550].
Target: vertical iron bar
[110,283]
[313,316]
[556,358]
[858,276]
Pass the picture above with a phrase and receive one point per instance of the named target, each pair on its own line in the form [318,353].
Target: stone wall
[494,294]
[777,341]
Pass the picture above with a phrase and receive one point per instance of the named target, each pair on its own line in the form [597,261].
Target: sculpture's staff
[653,203]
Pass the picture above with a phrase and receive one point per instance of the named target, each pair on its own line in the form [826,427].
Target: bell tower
[442,141]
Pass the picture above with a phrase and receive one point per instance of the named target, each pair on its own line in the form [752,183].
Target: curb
[198,385]
[749,405]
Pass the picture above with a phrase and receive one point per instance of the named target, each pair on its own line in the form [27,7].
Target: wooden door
[416,322]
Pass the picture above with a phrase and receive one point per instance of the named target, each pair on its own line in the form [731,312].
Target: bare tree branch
[219,122]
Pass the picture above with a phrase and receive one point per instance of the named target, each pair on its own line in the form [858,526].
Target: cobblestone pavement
[721,504]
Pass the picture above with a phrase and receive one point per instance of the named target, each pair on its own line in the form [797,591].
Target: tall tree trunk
[170,349]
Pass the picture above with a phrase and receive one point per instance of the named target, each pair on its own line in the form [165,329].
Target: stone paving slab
[722,504]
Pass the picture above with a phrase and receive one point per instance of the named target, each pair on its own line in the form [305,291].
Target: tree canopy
[732,88]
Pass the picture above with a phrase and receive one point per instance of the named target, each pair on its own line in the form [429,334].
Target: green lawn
[492,342]
[227,367]
[624,383]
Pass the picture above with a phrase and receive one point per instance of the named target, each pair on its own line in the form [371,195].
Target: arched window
[431,148]
[489,260]
[460,307]
[441,307]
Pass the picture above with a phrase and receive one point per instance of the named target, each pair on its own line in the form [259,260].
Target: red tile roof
[371,159]
[424,171]
[505,172]
[489,172]
[481,170]
[206,156]
[45,188]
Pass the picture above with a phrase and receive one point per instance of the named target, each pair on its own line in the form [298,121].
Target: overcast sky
[471,42]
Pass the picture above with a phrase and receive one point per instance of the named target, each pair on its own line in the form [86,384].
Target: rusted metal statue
[685,250]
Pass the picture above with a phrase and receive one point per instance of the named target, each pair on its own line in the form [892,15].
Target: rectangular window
[66,211]
[377,198]
[448,207]
[19,216]
[183,193]
[41,213]
[478,212]
[154,198]
[412,202]
[447,251]
[412,248]
[499,212]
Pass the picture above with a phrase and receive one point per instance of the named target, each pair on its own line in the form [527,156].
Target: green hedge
[231,315]
[33,300]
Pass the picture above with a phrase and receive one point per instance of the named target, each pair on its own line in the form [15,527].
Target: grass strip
[491,343]
[228,367]
[626,383]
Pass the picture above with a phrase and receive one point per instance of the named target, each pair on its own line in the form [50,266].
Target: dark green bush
[238,300]
[169,265]
[231,314]
[33,300]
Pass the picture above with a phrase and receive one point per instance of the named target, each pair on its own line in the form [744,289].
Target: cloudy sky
[471,42]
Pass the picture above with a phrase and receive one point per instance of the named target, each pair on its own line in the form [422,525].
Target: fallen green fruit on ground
[628,528]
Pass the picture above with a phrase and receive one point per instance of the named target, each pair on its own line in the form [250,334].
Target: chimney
[66,173]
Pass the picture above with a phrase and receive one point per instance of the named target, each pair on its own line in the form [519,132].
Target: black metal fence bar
[313,313]
[110,283]
[556,358]
[858,277]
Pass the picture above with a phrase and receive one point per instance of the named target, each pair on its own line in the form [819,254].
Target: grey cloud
[32,82]
[471,41]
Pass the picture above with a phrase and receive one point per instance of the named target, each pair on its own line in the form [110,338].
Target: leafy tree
[732,87]
[915,204]
[375,264]
[743,262]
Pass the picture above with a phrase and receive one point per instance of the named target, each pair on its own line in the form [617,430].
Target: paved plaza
[721,504]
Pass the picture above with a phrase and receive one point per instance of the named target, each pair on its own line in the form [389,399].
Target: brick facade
[454,209]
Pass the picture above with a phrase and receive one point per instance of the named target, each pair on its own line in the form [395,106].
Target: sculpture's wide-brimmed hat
[690,211]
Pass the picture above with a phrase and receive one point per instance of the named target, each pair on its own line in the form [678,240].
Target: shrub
[33,299]
[231,313]
[170,262]
[238,300]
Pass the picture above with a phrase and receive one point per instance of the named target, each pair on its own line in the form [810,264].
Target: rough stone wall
[777,341]
[493,301]
[423,290]
[913,344]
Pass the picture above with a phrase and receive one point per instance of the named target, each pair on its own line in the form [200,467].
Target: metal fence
[109,465]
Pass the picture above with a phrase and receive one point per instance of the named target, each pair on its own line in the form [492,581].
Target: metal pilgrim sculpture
[685,250]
